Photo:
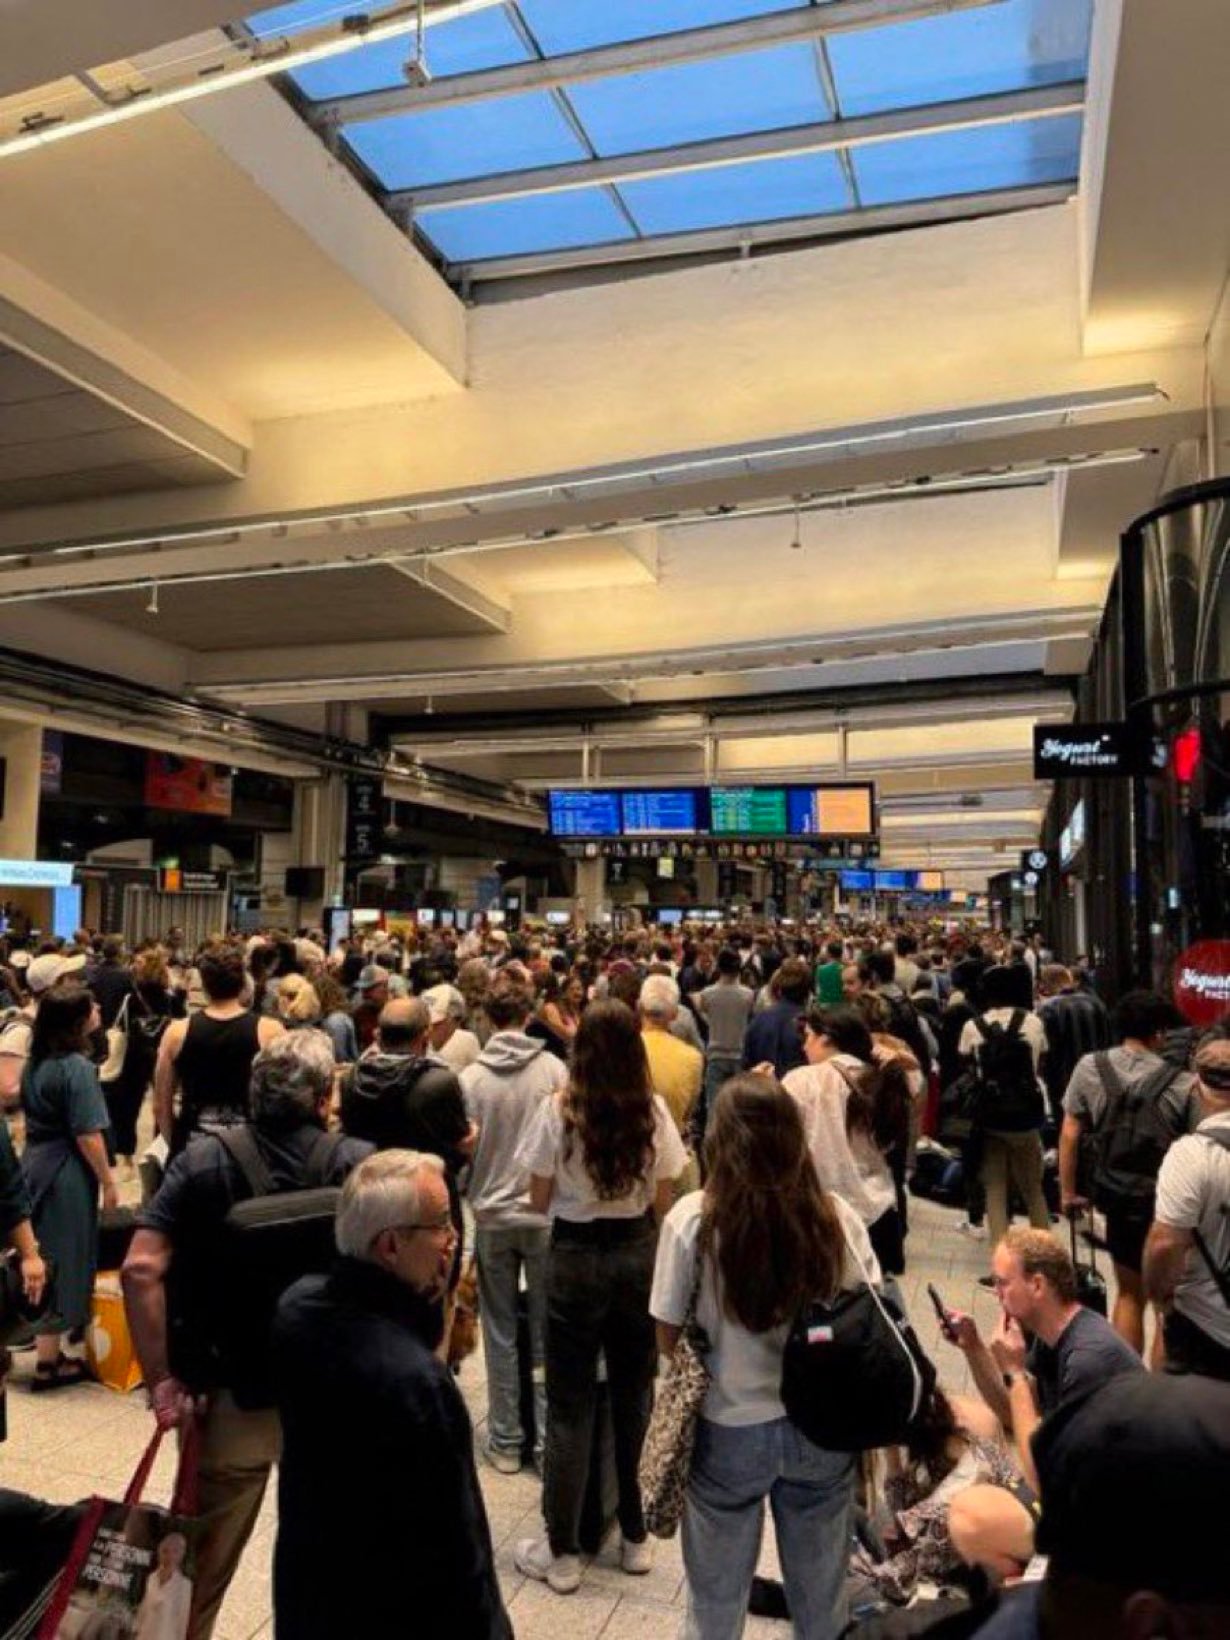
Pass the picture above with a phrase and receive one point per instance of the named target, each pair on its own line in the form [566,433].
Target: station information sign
[584,813]
[748,811]
[671,813]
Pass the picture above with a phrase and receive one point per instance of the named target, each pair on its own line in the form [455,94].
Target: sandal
[58,1374]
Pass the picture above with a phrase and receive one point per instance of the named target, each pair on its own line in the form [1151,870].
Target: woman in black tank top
[214,1067]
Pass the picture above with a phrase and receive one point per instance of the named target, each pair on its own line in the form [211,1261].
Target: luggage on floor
[1090,1283]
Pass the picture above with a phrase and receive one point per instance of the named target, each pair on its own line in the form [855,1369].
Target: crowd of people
[615,1137]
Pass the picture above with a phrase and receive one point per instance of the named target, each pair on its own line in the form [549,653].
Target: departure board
[896,881]
[671,813]
[748,811]
[857,882]
[584,813]
[830,811]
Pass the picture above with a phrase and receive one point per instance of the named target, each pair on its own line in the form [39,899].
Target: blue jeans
[501,1255]
[810,1493]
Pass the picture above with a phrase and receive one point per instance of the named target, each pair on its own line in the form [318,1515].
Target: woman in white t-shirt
[602,1156]
[769,1239]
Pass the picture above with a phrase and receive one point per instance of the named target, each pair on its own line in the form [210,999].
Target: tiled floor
[88,1439]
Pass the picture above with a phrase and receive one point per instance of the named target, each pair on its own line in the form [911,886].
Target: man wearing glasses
[380,1512]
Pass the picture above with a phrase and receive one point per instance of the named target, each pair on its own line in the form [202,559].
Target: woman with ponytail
[760,1241]
[855,1105]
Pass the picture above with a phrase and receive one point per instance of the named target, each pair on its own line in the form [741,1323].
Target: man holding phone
[1046,1351]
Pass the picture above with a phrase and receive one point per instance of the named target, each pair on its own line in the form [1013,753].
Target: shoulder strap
[982,1027]
[1155,1084]
[320,1158]
[1221,1278]
[1015,1023]
[1111,1084]
[240,1143]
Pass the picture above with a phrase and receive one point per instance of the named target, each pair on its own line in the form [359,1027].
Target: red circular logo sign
[1202,982]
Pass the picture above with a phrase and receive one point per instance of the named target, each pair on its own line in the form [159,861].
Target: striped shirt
[1193,1193]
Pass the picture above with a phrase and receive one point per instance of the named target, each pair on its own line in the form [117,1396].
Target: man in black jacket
[379,1503]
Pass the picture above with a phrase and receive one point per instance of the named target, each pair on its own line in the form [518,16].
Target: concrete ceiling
[215,297]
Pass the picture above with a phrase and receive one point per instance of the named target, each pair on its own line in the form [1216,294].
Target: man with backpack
[242,1213]
[1007,1105]
[1123,1109]
[1187,1254]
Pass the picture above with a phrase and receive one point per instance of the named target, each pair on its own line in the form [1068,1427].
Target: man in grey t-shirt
[726,1007]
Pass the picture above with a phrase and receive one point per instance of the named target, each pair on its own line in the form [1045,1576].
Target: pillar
[706,882]
[591,888]
[21,748]
[319,838]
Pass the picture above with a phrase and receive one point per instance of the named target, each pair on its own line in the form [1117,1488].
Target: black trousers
[1190,1349]
[598,1282]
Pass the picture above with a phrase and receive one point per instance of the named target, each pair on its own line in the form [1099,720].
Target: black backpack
[1009,1099]
[1130,1139]
[266,1243]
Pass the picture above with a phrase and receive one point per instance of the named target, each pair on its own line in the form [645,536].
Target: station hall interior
[412,416]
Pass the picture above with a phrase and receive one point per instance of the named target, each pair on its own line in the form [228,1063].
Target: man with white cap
[15,1039]
[450,1041]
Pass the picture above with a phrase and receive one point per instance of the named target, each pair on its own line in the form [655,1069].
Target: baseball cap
[444,1002]
[44,971]
[371,976]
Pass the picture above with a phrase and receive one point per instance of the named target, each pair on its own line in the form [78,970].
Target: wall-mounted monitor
[670,916]
[676,812]
[830,811]
[858,882]
[748,811]
[584,813]
[931,882]
[895,882]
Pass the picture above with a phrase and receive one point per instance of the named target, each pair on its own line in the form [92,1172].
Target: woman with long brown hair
[602,1156]
[758,1243]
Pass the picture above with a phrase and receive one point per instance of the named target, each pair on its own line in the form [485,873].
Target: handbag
[112,1067]
[117,1554]
[666,1457]
[854,1376]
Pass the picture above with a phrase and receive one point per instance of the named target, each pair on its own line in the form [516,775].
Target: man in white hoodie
[503,1089]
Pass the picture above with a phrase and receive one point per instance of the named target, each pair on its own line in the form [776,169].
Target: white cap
[444,1002]
[44,971]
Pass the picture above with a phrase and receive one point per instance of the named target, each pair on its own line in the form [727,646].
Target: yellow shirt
[676,1071]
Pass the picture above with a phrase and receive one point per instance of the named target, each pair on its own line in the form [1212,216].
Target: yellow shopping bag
[113,1361]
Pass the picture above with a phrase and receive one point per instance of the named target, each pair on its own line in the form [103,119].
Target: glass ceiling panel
[1007,47]
[475,139]
[766,191]
[578,25]
[511,227]
[484,39]
[691,102]
[966,162]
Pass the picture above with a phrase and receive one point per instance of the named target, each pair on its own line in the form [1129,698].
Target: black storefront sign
[1087,751]
[364,817]
[1036,860]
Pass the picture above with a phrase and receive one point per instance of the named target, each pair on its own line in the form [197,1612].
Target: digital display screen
[674,813]
[895,880]
[426,917]
[559,919]
[748,811]
[668,916]
[931,882]
[857,882]
[584,813]
[830,811]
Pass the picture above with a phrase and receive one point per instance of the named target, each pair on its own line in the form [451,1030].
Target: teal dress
[14,1199]
[62,1099]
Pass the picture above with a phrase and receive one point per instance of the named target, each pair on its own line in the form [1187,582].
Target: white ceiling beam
[495,615]
[825,137]
[634,56]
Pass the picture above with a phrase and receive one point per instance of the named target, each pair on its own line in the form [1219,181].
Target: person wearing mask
[766,1239]
[1047,1351]
[503,1091]
[207,1058]
[379,1507]
[1095,1101]
[774,1037]
[726,1008]
[603,1156]
[335,1018]
[676,1071]
[855,1113]
[451,1043]
[1187,1254]
[66,1169]
[176,1295]
[41,974]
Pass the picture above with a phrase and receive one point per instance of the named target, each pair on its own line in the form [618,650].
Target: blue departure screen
[660,813]
[584,814]
[896,880]
[856,882]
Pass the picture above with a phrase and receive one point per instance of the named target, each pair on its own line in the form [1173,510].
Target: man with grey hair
[181,1291]
[675,1069]
[379,1509]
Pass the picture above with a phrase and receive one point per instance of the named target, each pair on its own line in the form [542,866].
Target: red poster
[1202,982]
[186,783]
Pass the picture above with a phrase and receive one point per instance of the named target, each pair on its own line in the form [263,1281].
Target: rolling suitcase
[1090,1284]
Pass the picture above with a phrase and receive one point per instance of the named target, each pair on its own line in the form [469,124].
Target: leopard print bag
[666,1457]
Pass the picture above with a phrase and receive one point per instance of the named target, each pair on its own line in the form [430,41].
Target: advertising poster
[187,784]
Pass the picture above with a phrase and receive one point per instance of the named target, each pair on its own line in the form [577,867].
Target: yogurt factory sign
[1202,982]
[1097,750]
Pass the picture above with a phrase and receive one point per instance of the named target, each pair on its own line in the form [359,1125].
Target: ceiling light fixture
[264,61]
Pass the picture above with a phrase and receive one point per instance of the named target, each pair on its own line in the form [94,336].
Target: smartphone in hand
[947,1326]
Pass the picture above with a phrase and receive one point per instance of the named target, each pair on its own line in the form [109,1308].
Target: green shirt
[828,984]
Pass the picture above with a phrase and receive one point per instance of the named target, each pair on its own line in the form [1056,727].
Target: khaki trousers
[238,1450]
[1013,1158]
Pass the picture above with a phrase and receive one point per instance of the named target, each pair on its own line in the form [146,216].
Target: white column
[591,888]
[21,747]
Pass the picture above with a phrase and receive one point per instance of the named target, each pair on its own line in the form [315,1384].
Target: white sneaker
[533,1558]
[505,1463]
[976,1232]
[636,1558]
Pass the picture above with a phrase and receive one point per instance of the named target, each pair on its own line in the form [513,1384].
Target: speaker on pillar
[305,882]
